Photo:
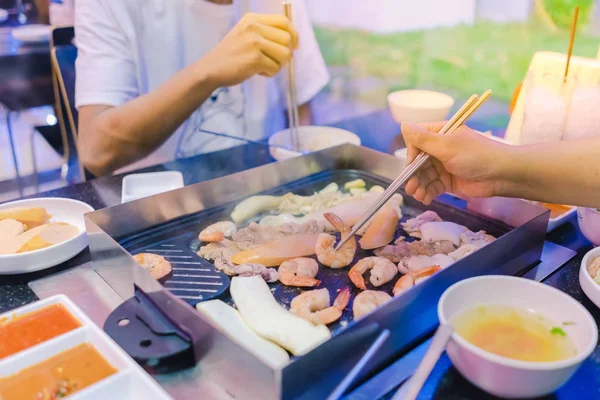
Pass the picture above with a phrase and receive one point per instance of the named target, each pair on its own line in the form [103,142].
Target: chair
[63,55]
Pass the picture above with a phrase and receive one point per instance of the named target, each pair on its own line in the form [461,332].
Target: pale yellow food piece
[30,216]
[52,234]
[355,184]
[10,228]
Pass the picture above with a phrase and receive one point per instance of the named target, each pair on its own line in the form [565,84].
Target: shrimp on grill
[217,231]
[325,247]
[412,278]
[382,271]
[367,301]
[299,271]
[314,306]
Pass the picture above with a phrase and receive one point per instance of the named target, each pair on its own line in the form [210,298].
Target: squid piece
[253,206]
[382,229]
[271,321]
[437,231]
[272,254]
[414,263]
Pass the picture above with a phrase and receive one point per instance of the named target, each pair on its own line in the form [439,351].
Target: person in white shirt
[152,73]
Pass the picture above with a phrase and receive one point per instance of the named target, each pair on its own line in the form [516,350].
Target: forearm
[121,135]
[560,172]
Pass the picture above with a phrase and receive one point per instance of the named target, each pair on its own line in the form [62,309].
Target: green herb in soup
[515,333]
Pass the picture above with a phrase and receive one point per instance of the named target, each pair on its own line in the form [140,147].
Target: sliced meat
[479,239]
[413,225]
[255,235]
[212,251]
[157,266]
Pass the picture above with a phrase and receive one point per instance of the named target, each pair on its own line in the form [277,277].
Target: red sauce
[27,330]
[58,376]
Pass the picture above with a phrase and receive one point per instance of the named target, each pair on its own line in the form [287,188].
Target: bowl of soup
[514,337]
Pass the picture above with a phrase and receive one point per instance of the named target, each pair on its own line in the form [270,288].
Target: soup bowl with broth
[515,337]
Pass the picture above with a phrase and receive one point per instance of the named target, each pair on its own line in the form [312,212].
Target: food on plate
[382,271]
[357,191]
[217,231]
[514,332]
[414,263]
[382,229]
[413,225]
[225,265]
[441,230]
[325,246]
[556,210]
[225,248]
[478,239]
[40,237]
[27,330]
[593,269]
[30,216]
[314,306]
[10,228]
[268,319]
[413,277]
[157,266]
[367,301]
[253,206]
[463,251]
[299,272]
[355,184]
[274,253]
[256,234]
[58,376]
[230,321]
[402,249]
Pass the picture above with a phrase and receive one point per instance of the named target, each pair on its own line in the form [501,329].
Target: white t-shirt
[126,48]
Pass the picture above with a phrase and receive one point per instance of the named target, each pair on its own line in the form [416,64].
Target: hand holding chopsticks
[454,123]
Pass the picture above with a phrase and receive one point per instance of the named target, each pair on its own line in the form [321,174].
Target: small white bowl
[588,285]
[589,223]
[506,377]
[62,210]
[137,186]
[419,105]
[310,138]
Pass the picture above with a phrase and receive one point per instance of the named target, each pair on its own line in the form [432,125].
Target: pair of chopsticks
[242,139]
[294,119]
[454,123]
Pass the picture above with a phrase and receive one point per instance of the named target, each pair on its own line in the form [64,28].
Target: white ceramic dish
[62,210]
[311,138]
[137,186]
[588,285]
[502,376]
[589,223]
[35,33]
[419,105]
[130,381]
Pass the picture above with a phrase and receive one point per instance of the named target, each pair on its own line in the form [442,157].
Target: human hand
[464,162]
[258,44]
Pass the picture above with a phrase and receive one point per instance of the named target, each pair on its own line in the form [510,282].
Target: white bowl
[588,285]
[506,377]
[35,33]
[62,210]
[311,138]
[589,223]
[137,186]
[419,105]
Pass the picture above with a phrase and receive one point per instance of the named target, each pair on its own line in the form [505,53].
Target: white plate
[588,285]
[506,377]
[137,186]
[310,138]
[130,381]
[62,210]
[32,33]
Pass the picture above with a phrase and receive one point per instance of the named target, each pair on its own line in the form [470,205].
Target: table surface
[378,131]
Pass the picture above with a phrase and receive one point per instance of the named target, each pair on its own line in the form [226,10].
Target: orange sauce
[27,330]
[556,210]
[58,376]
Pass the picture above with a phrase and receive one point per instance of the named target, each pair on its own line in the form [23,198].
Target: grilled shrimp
[325,247]
[314,306]
[382,271]
[412,278]
[367,301]
[217,231]
[157,266]
[299,272]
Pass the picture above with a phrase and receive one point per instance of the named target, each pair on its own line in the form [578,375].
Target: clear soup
[515,333]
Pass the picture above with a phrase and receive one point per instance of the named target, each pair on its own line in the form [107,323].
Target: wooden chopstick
[454,123]
[571,41]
